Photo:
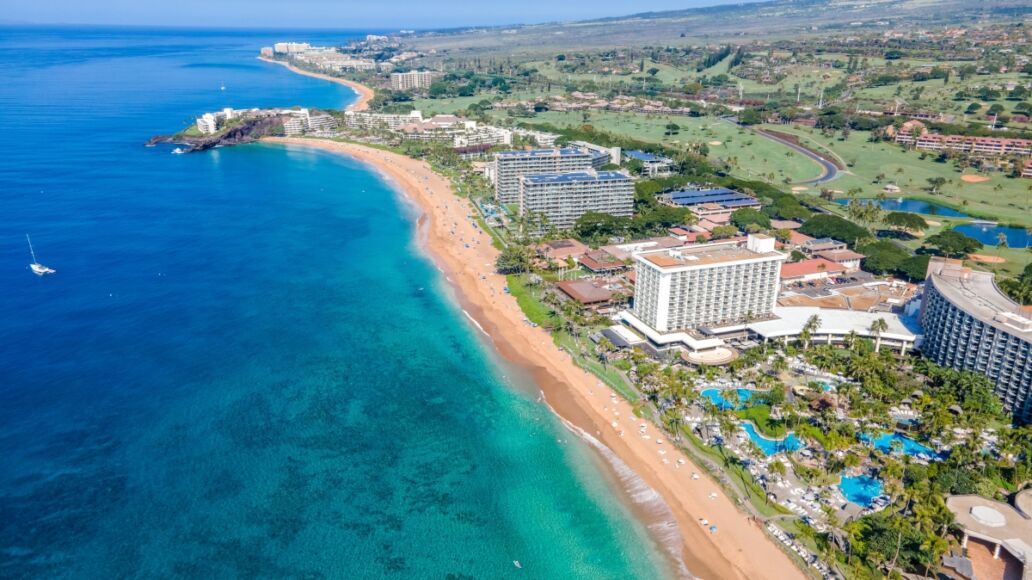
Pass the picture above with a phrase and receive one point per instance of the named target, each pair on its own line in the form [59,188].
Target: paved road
[828,169]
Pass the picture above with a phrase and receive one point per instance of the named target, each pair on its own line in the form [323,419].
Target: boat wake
[661,523]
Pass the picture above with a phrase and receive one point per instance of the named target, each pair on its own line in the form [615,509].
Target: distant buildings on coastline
[969,324]
[295,121]
[333,60]
[462,133]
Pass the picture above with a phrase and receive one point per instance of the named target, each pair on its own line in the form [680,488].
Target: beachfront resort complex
[815,348]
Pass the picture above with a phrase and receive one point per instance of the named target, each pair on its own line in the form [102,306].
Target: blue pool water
[887,442]
[715,397]
[909,205]
[861,490]
[243,367]
[989,235]
[769,447]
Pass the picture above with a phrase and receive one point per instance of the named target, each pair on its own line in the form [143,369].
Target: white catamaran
[37,268]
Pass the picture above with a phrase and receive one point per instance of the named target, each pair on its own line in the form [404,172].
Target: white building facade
[510,166]
[412,80]
[707,285]
[561,198]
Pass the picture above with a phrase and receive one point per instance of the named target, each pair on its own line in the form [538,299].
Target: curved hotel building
[969,324]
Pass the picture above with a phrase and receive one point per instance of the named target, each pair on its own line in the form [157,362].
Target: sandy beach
[463,252]
[365,94]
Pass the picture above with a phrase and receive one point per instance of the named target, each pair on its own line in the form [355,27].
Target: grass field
[1000,198]
[752,156]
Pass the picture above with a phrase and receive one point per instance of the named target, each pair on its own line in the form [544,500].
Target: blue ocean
[244,368]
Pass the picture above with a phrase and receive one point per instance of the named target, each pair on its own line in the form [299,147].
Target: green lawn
[753,157]
[1000,198]
[535,310]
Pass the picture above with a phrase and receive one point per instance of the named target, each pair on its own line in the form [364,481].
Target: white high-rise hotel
[709,285]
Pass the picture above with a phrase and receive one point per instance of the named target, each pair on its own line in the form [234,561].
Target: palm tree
[877,328]
[811,327]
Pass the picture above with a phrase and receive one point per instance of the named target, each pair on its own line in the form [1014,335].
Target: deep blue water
[990,235]
[909,205]
[243,368]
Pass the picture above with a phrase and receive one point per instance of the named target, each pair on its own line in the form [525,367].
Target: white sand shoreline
[741,548]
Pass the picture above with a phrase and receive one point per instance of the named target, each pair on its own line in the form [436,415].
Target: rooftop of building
[704,255]
[563,248]
[790,321]
[785,224]
[724,197]
[645,156]
[575,176]
[809,268]
[840,255]
[976,293]
[585,291]
[797,238]
[552,152]
[994,521]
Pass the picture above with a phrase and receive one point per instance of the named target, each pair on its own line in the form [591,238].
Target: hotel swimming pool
[715,397]
[771,446]
[887,442]
[861,489]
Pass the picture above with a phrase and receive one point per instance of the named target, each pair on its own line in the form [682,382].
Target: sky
[340,14]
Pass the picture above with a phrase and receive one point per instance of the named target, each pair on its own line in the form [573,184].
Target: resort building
[815,246]
[362,120]
[206,124]
[970,324]
[848,259]
[604,155]
[1026,169]
[915,134]
[511,166]
[586,293]
[290,47]
[835,326]
[542,138]
[297,122]
[413,80]
[707,285]
[652,165]
[1004,529]
[562,250]
[483,135]
[707,202]
[561,198]
[810,270]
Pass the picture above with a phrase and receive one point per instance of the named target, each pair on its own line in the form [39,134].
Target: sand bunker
[974,178]
[986,259]
[799,188]
[716,143]
[933,223]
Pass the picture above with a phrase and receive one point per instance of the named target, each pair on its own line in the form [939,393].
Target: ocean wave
[661,522]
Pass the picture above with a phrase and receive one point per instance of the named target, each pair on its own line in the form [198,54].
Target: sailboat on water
[37,268]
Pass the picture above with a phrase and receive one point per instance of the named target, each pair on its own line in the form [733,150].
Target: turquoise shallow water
[243,368]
